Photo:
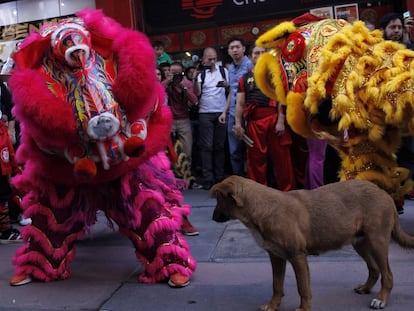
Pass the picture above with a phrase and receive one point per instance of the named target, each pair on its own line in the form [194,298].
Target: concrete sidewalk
[233,274]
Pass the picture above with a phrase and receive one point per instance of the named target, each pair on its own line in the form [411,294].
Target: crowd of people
[10,201]
[10,210]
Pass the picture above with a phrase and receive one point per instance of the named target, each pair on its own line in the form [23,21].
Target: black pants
[212,137]
[5,189]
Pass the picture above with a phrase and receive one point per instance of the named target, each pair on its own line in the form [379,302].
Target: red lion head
[88,100]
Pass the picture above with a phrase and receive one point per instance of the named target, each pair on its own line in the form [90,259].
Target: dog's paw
[377,304]
[362,289]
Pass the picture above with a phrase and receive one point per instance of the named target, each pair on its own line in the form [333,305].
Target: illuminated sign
[22,30]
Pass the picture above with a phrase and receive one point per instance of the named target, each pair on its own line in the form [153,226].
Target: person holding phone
[210,89]
[397,27]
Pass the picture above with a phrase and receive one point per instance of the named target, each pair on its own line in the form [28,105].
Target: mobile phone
[406,14]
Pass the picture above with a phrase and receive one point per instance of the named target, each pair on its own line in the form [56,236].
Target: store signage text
[247,2]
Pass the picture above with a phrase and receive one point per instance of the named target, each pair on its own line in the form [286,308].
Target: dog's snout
[219,216]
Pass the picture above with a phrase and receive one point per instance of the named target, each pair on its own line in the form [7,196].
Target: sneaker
[23,221]
[187,228]
[20,279]
[196,186]
[10,236]
[178,280]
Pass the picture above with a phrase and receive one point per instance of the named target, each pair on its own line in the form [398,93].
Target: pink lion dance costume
[94,130]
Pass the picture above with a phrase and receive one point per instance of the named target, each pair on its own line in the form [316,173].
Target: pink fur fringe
[152,186]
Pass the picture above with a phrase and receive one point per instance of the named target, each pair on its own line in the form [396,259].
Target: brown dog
[292,225]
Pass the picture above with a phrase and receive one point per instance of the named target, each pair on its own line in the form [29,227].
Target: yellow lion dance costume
[347,85]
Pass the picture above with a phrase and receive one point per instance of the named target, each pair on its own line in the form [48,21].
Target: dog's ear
[237,200]
[226,189]
[214,191]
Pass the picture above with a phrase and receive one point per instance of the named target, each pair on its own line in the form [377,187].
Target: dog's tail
[400,236]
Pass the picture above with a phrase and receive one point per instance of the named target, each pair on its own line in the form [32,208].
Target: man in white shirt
[210,85]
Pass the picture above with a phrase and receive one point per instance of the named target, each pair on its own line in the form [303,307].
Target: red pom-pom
[294,47]
[134,146]
[85,167]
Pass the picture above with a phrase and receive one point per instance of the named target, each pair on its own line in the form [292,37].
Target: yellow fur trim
[270,38]
[267,69]
[263,71]
[296,116]
[373,87]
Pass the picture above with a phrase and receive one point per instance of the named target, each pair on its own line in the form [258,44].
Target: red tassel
[85,167]
[134,146]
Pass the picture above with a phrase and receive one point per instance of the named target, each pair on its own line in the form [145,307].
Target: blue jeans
[237,149]
[212,137]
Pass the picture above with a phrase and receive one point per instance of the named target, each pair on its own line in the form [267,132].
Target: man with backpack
[210,85]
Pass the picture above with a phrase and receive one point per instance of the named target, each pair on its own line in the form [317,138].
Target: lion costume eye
[293,48]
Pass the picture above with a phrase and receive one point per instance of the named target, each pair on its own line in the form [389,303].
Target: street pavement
[233,273]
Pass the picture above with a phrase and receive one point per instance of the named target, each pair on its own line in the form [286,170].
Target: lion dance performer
[94,129]
[347,85]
